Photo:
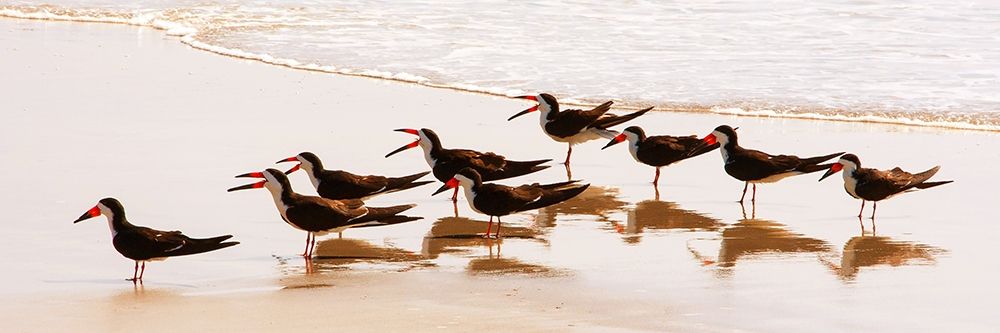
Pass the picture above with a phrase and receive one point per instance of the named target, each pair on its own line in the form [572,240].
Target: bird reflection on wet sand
[460,235]
[339,253]
[872,251]
[753,237]
[756,238]
[596,200]
[652,215]
[496,265]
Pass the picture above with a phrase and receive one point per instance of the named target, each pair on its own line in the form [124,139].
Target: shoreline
[165,128]
[186,35]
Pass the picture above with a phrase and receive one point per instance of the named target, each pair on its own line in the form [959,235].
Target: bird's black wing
[570,122]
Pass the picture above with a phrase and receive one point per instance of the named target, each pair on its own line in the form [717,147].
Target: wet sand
[95,110]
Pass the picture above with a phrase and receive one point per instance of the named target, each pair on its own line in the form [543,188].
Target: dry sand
[94,110]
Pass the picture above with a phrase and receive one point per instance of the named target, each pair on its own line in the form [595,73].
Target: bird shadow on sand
[597,201]
[870,251]
[651,216]
[754,239]
[463,237]
[344,254]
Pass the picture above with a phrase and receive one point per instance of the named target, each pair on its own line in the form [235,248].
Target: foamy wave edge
[188,35]
[898,120]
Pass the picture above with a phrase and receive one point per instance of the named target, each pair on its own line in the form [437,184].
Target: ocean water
[921,62]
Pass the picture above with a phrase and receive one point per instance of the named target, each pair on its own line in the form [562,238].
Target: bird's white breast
[112,227]
[312,179]
[427,157]
[633,148]
[725,155]
[776,178]
[282,207]
[470,197]
[850,184]
[587,134]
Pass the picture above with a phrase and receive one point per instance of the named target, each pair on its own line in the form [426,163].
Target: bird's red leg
[568,153]
[306,251]
[498,231]
[135,272]
[862,209]
[312,245]
[489,228]
[745,185]
[454,196]
[753,199]
[656,179]
[874,206]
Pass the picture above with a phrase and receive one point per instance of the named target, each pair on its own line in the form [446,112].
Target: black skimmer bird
[756,167]
[339,185]
[661,150]
[575,126]
[143,244]
[319,216]
[498,200]
[875,185]
[446,162]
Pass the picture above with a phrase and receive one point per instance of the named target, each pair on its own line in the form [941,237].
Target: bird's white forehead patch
[632,137]
[463,180]
[271,183]
[105,210]
[543,105]
[848,165]
[305,162]
[721,138]
[425,143]
[269,177]
[111,215]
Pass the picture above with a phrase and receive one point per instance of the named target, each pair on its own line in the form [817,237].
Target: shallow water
[688,254]
[925,62]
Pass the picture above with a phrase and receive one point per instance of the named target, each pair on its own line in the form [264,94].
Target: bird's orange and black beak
[290,159]
[528,110]
[407,146]
[93,212]
[251,175]
[616,140]
[836,167]
[259,184]
[450,184]
[708,140]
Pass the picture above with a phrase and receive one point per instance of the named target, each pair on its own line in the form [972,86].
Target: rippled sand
[96,110]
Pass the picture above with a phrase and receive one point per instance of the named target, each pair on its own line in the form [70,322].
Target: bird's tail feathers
[613,120]
[551,197]
[819,159]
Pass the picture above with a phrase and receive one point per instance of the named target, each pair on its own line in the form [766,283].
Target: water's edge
[188,36]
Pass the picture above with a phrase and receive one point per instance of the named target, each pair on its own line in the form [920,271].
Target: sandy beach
[98,110]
